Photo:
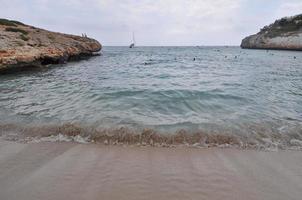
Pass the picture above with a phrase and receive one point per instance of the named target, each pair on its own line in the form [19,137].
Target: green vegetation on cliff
[11,29]
[283,27]
[283,34]
[7,22]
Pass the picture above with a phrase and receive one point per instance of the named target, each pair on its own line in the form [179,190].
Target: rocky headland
[283,34]
[27,46]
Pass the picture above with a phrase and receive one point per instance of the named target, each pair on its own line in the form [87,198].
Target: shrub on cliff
[7,22]
[17,22]
[11,29]
[24,38]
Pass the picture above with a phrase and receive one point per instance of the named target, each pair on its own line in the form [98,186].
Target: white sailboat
[132,45]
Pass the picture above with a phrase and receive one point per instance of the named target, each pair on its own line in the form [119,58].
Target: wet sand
[77,171]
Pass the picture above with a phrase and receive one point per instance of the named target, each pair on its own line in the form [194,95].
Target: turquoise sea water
[218,90]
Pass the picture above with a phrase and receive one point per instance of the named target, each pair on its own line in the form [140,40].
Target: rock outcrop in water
[284,34]
[23,46]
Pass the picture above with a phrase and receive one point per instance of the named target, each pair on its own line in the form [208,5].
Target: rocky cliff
[22,45]
[285,34]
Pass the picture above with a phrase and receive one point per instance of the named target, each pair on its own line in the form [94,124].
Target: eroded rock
[22,46]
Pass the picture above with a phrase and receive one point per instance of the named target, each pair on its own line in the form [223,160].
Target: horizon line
[173,45]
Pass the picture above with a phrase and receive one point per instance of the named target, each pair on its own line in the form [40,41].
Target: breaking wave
[258,137]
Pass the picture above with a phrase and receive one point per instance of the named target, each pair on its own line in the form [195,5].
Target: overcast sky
[155,22]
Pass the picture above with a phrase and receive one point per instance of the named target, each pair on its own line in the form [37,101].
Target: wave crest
[148,137]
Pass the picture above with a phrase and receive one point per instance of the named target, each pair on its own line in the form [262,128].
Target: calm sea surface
[219,90]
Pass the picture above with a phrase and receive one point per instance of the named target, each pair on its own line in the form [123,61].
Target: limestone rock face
[284,34]
[22,45]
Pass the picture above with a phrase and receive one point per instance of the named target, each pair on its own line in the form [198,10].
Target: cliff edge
[283,34]
[23,45]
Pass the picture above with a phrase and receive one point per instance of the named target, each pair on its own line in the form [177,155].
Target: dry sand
[78,171]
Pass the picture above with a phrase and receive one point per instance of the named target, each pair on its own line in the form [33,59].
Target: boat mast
[133,41]
[133,38]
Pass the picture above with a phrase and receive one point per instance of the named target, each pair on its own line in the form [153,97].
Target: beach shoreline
[57,170]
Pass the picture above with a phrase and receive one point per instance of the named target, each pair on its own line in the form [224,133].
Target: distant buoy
[194,59]
[295,57]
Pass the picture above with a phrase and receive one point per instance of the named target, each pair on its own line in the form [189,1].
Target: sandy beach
[78,171]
